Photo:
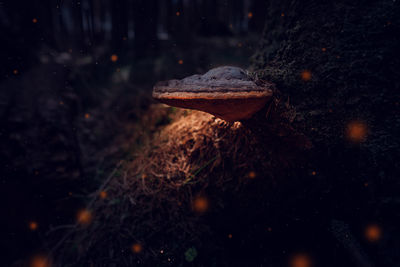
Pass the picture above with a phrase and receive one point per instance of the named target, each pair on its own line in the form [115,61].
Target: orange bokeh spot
[300,260]
[137,248]
[39,261]
[356,131]
[84,217]
[282,14]
[306,75]
[323,49]
[178,13]
[230,236]
[34,20]
[103,194]
[252,175]
[33,225]
[200,204]
[180,61]
[15,72]
[87,115]
[313,173]
[250,15]
[114,58]
[373,233]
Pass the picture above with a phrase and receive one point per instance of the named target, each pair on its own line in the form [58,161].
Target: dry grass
[163,198]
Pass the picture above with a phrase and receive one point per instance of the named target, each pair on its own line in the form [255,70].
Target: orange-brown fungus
[225,92]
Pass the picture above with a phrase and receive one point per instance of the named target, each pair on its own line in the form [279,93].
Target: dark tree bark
[79,34]
[119,24]
[349,49]
[145,26]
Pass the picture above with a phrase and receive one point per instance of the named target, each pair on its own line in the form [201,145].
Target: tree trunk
[337,75]
[119,24]
[145,26]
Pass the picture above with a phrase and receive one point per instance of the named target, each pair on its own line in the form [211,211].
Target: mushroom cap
[226,92]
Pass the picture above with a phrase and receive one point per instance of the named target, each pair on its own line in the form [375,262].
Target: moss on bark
[349,48]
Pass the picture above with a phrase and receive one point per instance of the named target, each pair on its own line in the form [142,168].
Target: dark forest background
[75,74]
[92,27]
[75,103]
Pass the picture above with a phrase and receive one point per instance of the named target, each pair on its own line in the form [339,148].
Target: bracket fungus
[225,92]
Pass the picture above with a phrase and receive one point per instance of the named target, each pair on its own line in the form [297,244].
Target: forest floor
[70,120]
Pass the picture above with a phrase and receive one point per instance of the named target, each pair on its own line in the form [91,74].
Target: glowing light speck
[356,131]
[180,62]
[252,175]
[300,260]
[200,204]
[39,261]
[84,217]
[137,248]
[250,15]
[33,225]
[103,195]
[373,233]
[306,75]
[114,58]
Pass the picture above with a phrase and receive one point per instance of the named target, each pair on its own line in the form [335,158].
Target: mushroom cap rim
[213,95]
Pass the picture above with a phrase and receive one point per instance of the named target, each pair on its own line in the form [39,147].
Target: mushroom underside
[229,109]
